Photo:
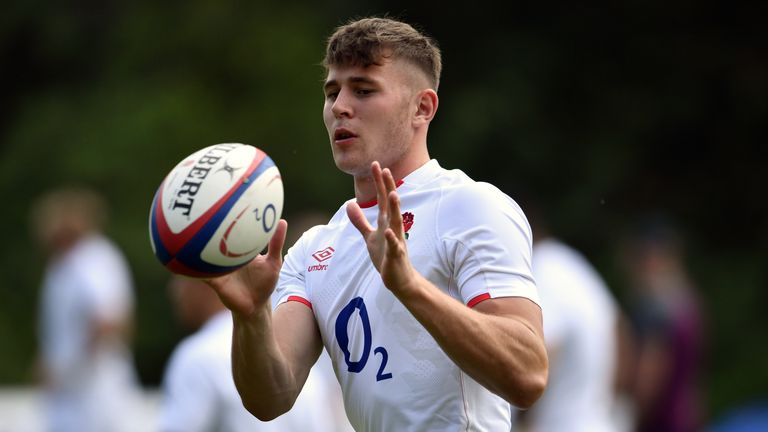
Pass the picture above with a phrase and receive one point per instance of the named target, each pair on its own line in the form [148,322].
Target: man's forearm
[261,374]
[502,352]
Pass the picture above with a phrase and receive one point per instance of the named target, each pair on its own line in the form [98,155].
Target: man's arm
[272,353]
[499,343]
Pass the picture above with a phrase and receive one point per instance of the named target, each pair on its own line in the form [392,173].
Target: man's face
[368,114]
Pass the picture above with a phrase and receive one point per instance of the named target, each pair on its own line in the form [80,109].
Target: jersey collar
[418,176]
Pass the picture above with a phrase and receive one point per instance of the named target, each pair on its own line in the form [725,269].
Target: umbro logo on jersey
[321,256]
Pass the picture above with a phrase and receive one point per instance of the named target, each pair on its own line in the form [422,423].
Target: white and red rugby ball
[216,210]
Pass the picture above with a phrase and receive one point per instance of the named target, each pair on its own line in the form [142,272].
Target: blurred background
[605,115]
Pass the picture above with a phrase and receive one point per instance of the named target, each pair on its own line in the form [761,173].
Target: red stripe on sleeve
[300,300]
[477,299]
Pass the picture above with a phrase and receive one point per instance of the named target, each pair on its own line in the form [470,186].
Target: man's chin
[353,167]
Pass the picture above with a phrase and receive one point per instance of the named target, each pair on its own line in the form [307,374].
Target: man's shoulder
[455,183]
[319,233]
[460,193]
[98,256]
[95,246]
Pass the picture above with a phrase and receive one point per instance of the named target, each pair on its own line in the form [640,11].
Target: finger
[358,219]
[389,180]
[395,217]
[378,180]
[390,186]
[276,243]
[218,283]
[377,173]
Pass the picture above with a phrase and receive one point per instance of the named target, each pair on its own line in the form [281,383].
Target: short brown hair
[363,42]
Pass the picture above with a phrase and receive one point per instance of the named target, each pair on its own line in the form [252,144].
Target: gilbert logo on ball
[216,210]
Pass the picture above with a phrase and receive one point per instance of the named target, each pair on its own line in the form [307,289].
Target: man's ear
[426,106]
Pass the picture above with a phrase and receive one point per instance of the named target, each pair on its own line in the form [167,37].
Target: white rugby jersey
[466,237]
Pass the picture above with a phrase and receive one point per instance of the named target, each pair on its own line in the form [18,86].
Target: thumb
[217,283]
[276,243]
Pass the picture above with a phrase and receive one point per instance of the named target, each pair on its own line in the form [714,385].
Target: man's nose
[341,106]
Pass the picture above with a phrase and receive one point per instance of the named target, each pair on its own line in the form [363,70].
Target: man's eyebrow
[352,80]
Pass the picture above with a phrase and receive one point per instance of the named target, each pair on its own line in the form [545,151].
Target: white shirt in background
[580,316]
[199,393]
[91,388]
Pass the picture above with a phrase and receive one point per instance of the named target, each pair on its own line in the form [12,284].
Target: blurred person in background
[199,393]
[85,316]
[669,330]
[582,334]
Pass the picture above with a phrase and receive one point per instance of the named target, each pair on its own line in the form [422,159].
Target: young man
[420,288]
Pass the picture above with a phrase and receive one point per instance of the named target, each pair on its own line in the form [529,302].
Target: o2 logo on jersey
[357,304]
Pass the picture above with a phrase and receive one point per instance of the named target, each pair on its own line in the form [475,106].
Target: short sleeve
[487,244]
[290,285]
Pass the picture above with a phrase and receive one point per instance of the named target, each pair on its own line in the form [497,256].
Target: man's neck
[365,187]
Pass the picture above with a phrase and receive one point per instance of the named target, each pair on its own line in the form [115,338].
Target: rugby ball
[216,210]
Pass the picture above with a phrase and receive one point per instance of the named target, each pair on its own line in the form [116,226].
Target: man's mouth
[342,134]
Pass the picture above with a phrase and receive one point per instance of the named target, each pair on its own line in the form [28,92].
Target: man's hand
[250,287]
[386,243]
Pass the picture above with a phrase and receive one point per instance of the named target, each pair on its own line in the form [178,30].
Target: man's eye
[331,95]
[364,92]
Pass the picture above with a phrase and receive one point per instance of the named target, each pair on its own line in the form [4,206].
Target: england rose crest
[407,223]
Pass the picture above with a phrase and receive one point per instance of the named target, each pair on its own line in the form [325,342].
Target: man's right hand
[250,287]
